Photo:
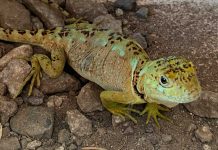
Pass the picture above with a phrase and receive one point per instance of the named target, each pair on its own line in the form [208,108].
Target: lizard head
[169,81]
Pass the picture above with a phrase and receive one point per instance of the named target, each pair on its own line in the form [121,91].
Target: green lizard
[116,63]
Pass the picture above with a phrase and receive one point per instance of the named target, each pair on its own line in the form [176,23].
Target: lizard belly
[100,65]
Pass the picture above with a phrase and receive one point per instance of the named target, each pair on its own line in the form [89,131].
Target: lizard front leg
[52,67]
[118,103]
[153,110]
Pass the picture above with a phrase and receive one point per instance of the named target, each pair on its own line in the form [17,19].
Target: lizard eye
[164,81]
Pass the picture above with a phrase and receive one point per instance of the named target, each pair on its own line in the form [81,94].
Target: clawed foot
[123,111]
[35,74]
[153,111]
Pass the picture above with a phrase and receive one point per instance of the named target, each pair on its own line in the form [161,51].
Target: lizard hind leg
[52,67]
[118,103]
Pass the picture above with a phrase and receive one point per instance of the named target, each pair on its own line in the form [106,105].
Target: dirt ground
[179,29]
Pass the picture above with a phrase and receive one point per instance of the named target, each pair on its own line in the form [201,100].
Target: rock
[204,134]
[140,39]
[119,12]
[87,9]
[125,4]
[63,136]
[205,106]
[34,144]
[56,101]
[63,83]
[89,98]
[18,100]
[50,16]
[117,120]
[16,18]
[108,22]
[78,123]
[5,132]
[206,147]
[10,143]
[166,138]
[37,24]
[142,12]
[129,130]
[3,89]
[72,147]
[191,127]
[24,143]
[36,97]
[5,48]
[23,51]
[7,108]
[60,148]
[14,74]
[32,121]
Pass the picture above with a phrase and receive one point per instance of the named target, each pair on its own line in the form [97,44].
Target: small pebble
[128,130]
[72,147]
[191,127]
[119,12]
[125,4]
[60,148]
[34,144]
[166,138]
[117,120]
[56,101]
[206,147]
[204,134]
[142,12]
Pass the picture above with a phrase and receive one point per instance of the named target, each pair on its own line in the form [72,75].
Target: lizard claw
[153,111]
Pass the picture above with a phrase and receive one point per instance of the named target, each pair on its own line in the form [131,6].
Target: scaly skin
[116,63]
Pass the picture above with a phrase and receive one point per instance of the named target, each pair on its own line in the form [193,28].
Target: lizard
[116,63]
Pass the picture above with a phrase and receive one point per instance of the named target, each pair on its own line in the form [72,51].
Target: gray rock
[36,122]
[78,123]
[108,22]
[125,4]
[117,120]
[63,136]
[3,89]
[34,144]
[166,138]
[10,143]
[87,9]
[56,101]
[142,12]
[72,147]
[129,130]
[23,51]
[119,12]
[14,74]
[37,24]
[50,16]
[5,48]
[89,98]
[63,83]
[7,108]
[140,39]
[36,97]
[205,106]
[204,134]
[16,18]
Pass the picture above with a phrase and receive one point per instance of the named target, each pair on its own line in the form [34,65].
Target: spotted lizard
[116,63]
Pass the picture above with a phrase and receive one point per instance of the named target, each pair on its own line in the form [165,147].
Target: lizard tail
[35,37]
